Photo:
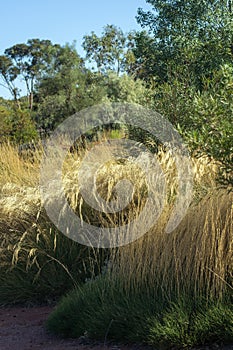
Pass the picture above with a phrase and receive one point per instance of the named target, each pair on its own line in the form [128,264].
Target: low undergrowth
[103,310]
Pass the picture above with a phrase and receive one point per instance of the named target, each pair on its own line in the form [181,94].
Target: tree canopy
[195,36]
[111,51]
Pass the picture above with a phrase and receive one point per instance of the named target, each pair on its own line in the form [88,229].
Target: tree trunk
[31,95]
[31,100]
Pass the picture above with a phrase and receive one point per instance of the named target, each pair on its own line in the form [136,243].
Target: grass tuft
[162,289]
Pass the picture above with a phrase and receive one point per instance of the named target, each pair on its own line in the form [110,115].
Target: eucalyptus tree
[29,61]
[110,51]
[8,75]
[58,90]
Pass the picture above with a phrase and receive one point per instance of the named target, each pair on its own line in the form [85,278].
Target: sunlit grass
[194,261]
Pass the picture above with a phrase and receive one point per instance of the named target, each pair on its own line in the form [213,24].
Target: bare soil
[22,328]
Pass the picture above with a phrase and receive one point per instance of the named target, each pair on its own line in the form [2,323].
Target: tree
[51,73]
[146,64]
[196,36]
[63,74]
[111,51]
[57,90]
[8,74]
[29,61]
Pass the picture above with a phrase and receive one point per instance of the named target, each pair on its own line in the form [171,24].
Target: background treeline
[180,65]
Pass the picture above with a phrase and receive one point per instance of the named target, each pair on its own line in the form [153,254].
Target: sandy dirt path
[23,329]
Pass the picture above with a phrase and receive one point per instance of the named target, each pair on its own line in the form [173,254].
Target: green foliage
[5,126]
[214,110]
[8,74]
[86,90]
[195,35]
[147,63]
[60,97]
[111,51]
[186,324]
[37,60]
[28,61]
[101,309]
[114,88]
[203,118]
[63,74]
[57,90]
[127,89]
[51,111]
[16,125]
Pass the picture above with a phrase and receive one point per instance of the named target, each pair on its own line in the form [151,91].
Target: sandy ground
[23,329]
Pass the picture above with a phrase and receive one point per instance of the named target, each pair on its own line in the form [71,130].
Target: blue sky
[63,21]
